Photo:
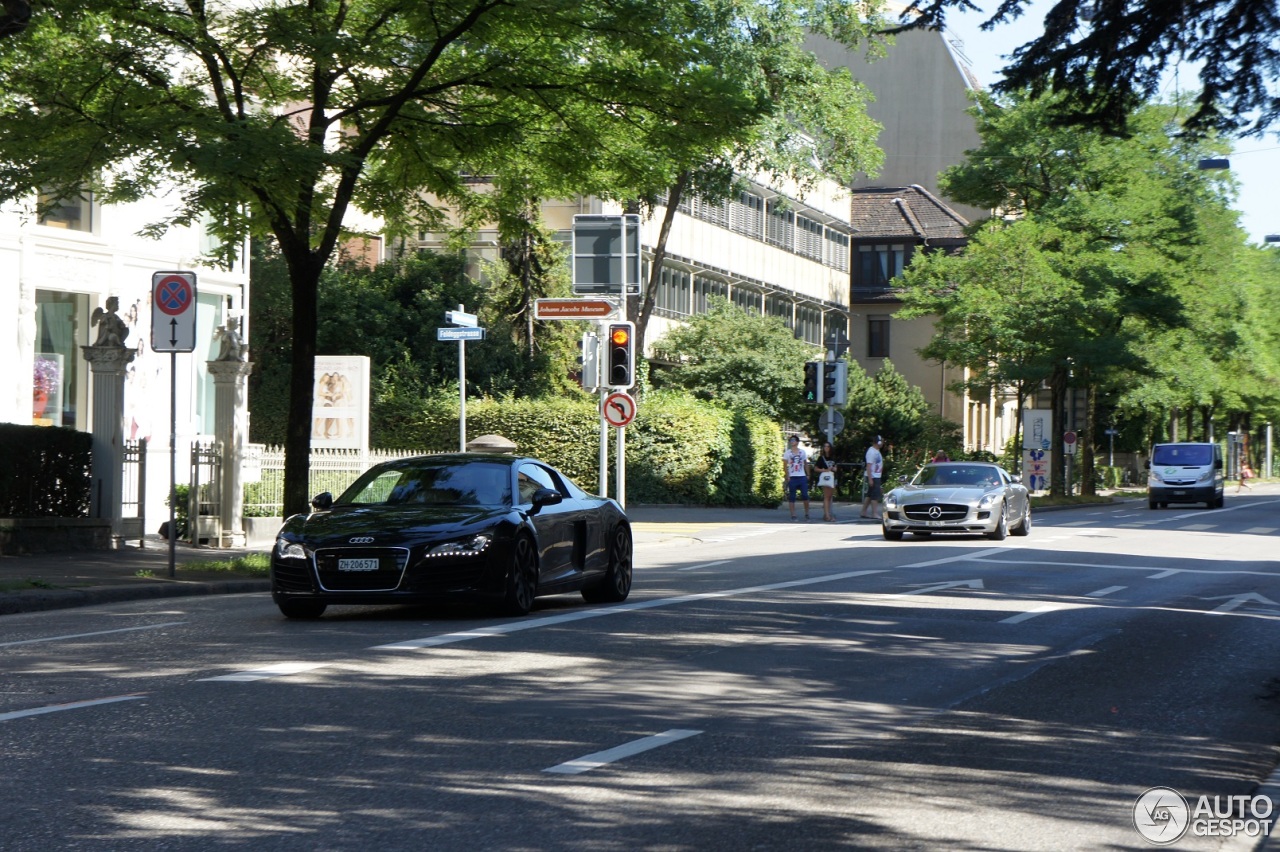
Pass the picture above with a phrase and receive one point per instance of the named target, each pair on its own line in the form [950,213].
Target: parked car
[465,525]
[958,497]
[1185,473]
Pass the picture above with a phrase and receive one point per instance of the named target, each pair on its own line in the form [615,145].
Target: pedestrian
[1246,473]
[941,456]
[797,466]
[874,473]
[824,464]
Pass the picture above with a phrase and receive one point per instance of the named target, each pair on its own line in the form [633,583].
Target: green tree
[1111,57]
[742,359]
[282,118]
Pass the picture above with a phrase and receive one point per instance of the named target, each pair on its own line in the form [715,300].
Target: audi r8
[467,525]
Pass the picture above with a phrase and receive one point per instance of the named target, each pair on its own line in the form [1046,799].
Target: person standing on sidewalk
[875,474]
[824,464]
[796,464]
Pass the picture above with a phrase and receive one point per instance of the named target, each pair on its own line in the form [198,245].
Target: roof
[903,212]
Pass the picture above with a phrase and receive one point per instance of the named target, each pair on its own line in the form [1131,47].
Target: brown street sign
[550,309]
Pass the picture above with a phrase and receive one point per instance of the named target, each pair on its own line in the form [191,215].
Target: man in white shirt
[874,473]
[796,463]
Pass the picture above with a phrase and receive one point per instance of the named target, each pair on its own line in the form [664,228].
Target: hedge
[45,472]
[679,449]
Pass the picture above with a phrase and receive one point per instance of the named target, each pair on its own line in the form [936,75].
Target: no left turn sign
[618,409]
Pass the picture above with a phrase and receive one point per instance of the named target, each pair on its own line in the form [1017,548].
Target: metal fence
[331,470]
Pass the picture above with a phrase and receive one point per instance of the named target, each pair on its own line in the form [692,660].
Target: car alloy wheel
[616,584]
[522,578]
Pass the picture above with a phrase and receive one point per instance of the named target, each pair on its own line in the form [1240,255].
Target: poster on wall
[1037,425]
[1035,469]
[340,403]
[47,384]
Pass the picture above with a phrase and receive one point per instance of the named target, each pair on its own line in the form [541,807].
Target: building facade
[56,270]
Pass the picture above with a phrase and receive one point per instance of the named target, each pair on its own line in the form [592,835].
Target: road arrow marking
[969,584]
[1234,601]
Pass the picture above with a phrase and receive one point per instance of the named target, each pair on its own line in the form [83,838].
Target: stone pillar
[107,363]
[230,431]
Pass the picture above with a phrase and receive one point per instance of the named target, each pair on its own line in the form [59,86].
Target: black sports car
[460,525]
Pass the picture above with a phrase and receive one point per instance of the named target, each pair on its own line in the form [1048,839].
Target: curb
[42,600]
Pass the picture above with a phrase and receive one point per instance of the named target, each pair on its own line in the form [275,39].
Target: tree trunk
[1086,442]
[1058,467]
[674,195]
[304,281]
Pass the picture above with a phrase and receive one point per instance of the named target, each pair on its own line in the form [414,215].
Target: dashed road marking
[602,758]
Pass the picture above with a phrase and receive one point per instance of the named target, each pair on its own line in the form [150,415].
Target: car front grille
[335,575]
[936,512]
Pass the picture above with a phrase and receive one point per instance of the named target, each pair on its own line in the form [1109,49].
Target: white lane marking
[602,758]
[1074,524]
[1199,527]
[704,565]
[1238,601]
[1159,576]
[87,635]
[74,705]
[1040,610]
[937,587]
[1260,530]
[977,554]
[564,618]
[1102,593]
[269,671]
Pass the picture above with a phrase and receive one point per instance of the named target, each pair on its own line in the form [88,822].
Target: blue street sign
[459,334]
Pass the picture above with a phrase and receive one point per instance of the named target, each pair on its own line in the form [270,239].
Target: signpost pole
[621,471]
[173,461]
[462,391]
[603,488]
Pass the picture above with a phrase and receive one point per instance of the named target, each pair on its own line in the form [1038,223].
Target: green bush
[51,476]
[679,449]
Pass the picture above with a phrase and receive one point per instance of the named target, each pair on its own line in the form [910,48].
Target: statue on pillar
[112,329]
[230,346]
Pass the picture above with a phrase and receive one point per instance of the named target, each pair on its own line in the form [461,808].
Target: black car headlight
[288,549]
[472,545]
[989,500]
[891,500]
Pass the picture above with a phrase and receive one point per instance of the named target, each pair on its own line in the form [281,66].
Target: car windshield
[1183,454]
[965,475]
[468,483]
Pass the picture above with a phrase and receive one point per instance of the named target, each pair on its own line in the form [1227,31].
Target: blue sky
[1255,162]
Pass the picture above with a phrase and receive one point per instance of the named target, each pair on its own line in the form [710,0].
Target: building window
[60,386]
[878,265]
[73,213]
[837,250]
[877,336]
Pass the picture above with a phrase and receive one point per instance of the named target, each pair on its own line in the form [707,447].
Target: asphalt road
[767,686]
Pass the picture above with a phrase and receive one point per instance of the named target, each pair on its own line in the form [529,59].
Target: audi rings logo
[361,539]
[935,512]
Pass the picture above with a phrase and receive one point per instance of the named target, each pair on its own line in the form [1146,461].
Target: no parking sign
[173,312]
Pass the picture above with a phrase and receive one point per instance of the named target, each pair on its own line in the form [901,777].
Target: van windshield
[1183,454]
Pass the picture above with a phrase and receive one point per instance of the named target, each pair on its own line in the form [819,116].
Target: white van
[1185,473]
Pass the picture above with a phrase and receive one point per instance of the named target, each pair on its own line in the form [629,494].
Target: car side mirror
[322,502]
[902,480]
[1217,465]
[1147,464]
[1013,477]
[546,497]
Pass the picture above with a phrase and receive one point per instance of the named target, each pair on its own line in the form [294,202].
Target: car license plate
[357,565]
[935,523]
[1179,494]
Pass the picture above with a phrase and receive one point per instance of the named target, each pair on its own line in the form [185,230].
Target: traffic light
[813,381]
[622,354]
[835,382]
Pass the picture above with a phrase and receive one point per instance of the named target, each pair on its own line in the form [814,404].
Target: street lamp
[1208,164]
[1272,238]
